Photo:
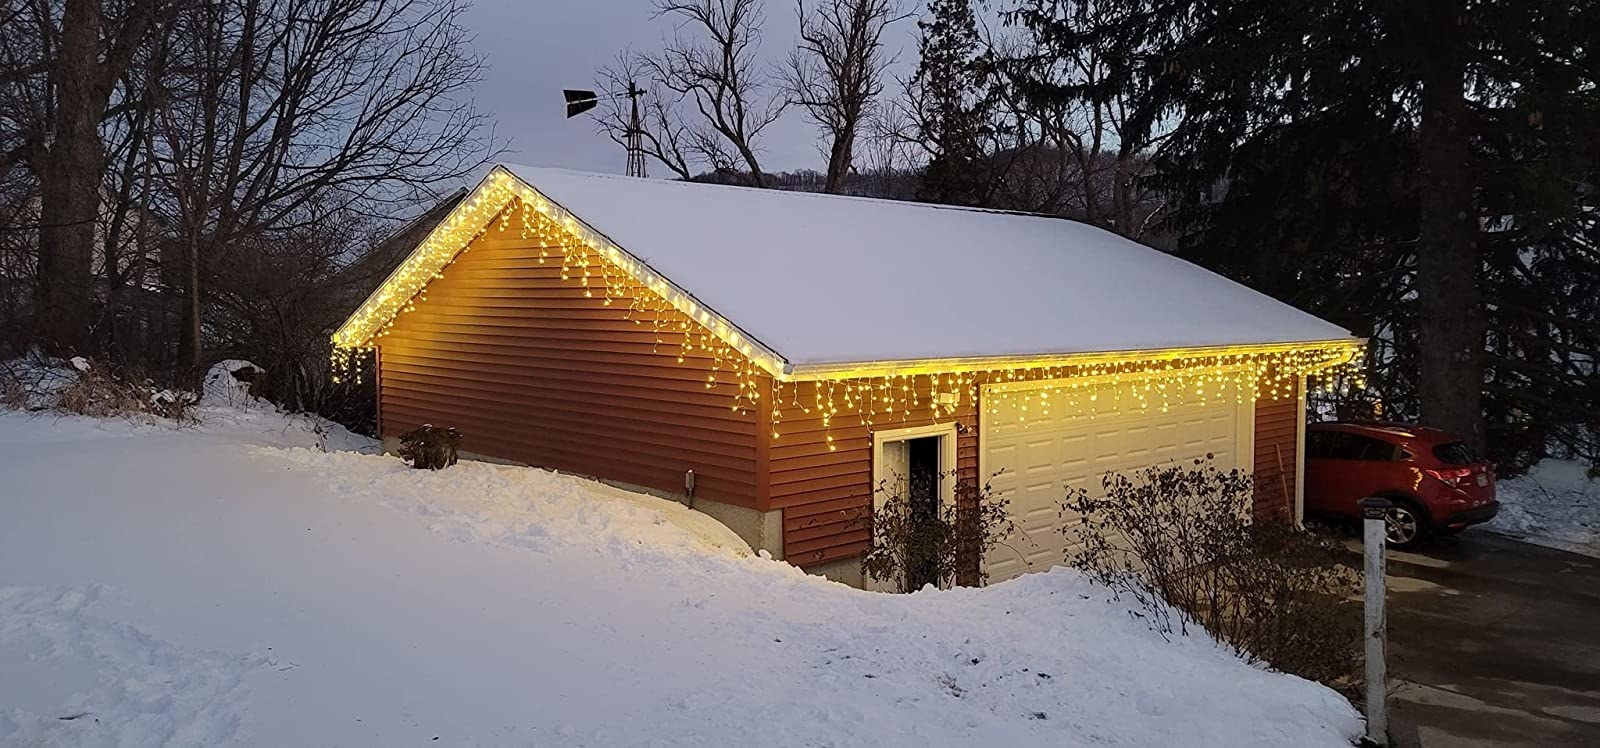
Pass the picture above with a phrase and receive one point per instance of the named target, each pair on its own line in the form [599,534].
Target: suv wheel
[1404,525]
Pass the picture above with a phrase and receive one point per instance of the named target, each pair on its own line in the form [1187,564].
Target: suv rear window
[1340,445]
[1455,453]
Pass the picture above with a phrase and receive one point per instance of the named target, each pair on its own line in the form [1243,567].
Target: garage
[781,409]
[1031,455]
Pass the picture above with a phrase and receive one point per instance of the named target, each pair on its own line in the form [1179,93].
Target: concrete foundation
[844,571]
[762,530]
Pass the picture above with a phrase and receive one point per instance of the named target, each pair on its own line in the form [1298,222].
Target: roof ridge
[803,193]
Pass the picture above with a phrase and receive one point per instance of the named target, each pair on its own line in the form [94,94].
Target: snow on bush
[78,388]
[34,381]
[1555,504]
[228,383]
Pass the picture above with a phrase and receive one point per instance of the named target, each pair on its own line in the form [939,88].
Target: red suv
[1436,482]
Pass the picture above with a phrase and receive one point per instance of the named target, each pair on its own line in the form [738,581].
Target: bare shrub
[13,394]
[915,543]
[174,405]
[99,393]
[430,447]
[78,387]
[1179,541]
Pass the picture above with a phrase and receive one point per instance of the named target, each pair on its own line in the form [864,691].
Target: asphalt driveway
[1494,642]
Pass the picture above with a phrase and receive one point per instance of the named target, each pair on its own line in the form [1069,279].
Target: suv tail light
[1453,477]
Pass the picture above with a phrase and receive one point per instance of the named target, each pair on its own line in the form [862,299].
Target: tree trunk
[190,344]
[1122,196]
[1450,323]
[839,157]
[69,183]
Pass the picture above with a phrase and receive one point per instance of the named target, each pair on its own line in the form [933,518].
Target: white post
[1374,523]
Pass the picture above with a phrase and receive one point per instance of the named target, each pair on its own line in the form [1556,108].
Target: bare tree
[711,65]
[1100,146]
[285,116]
[81,48]
[887,156]
[836,72]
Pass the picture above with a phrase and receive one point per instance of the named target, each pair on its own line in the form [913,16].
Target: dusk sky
[535,48]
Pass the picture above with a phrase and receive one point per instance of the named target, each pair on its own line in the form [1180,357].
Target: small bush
[99,392]
[430,447]
[1180,541]
[176,405]
[13,393]
[914,544]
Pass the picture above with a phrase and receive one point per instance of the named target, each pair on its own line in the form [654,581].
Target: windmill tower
[580,101]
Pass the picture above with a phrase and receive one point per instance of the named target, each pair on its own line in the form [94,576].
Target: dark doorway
[922,481]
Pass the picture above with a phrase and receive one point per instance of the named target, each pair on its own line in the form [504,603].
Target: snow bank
[1556,504]
[225,409]
[522,507]
[213,585]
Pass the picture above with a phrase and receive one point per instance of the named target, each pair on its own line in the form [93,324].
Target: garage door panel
[1042,456]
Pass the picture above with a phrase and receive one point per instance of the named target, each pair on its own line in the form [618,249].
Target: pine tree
[1392,166]
[949,92]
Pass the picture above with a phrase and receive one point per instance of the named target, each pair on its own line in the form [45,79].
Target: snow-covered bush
[917,543]
[173,404]
[98,392]
[33,380]
[1180,541]
[232,383]
[80,387]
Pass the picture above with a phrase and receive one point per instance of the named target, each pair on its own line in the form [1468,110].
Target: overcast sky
[535,48]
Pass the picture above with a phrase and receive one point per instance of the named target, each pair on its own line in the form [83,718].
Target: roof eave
[369,319]
[873,369]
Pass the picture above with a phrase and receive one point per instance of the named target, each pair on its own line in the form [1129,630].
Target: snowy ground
[1556,504]
[234,583]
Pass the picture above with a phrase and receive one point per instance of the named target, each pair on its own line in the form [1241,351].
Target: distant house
[772,357]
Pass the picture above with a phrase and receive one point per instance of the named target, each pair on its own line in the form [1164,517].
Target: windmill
[580,101]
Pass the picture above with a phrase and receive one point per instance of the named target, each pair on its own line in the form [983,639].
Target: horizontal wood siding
[1276,454]
[532,370]
[826,496]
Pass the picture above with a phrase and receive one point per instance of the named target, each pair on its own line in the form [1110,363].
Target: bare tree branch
[283,114]
[711,64]
[836,72]
[663,135]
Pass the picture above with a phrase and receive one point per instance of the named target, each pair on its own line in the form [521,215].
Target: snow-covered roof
[826,280]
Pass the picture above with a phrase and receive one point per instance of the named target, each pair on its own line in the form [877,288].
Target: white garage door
[1038,456]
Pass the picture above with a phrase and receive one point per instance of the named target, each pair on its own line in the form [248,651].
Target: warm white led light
[871,392]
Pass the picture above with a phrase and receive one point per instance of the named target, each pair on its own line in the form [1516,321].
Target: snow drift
[1556,504]
[234,582]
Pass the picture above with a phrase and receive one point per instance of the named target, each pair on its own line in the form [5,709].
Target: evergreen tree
[1420,172]
[948,93]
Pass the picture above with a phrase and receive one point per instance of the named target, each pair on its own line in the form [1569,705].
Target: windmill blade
[579,101]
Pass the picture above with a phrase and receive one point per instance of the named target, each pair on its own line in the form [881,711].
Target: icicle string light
[861,395]
[1156,380]
[586,256]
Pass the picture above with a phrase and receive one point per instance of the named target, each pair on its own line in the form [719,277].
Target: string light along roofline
[872,369]
[498,190]
[874,391]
